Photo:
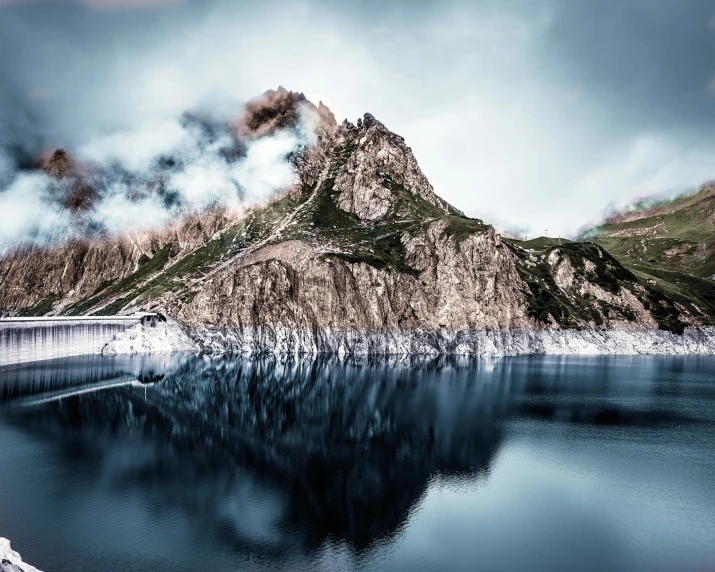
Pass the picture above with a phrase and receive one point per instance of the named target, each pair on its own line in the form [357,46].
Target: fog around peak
[529,115]
[146,176]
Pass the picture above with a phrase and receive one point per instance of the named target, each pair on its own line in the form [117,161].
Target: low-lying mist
[148,176]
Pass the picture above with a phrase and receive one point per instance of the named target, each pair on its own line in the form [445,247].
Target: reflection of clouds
[253,511]
[286,456]
[506,523]
[270,452]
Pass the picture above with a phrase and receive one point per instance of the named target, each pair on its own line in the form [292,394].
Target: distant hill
[671,242]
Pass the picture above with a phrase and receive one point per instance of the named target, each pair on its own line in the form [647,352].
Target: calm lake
[528,463]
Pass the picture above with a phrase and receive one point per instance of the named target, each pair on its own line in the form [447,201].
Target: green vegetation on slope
[675,236]
[546,299]
[322,223]
[413,208]
[571,309]
[540,244]
[669,244]
[233,240]
[149,267]
[42,307]
[377,243]
[155,277]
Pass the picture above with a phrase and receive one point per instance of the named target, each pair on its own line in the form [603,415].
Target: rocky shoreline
[172,337]
[480,343]
[626,340]
[11,561]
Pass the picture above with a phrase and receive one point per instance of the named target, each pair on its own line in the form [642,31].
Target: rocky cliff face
[360,244]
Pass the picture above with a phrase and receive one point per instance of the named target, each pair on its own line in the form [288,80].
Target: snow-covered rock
[10,561]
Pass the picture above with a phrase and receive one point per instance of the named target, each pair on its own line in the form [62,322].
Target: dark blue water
[527,463]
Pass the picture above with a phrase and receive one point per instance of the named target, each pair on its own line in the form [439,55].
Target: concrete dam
[25,340]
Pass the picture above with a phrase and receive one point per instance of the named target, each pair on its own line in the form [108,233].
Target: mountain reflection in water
[279,457]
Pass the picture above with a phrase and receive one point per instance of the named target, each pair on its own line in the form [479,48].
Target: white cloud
[201,176]
[204,182]
[651,164]
[500,131]
[26,212]
[118,214]
[265,169]
[135,149]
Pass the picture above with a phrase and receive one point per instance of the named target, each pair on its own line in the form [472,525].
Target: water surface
[529,463]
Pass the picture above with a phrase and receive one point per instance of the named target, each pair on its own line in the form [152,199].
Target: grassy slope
[671,244]
[676,235]
[540,244]
[162,273]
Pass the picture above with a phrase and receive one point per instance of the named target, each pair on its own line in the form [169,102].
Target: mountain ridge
[360,243]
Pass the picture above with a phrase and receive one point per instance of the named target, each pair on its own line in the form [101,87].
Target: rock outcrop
[163,337]
[359,256]
[77,193]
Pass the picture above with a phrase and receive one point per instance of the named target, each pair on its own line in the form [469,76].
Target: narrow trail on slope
[275,233]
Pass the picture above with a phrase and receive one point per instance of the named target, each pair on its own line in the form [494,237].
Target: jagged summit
[273,110]
[379,169]
[283,109]
[76,192]
[60,165]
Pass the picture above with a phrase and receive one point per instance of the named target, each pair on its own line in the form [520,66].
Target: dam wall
[34,339]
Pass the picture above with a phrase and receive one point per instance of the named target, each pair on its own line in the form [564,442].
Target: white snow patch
[10,561]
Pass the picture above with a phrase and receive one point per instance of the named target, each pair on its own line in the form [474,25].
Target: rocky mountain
[78,192]
[360,255]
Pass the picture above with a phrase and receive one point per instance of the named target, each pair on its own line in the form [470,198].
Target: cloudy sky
[530,115]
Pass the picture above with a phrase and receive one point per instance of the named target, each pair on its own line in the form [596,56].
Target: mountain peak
[379,170]
[280,109]
[59,165]
[77,192]
[271,111]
